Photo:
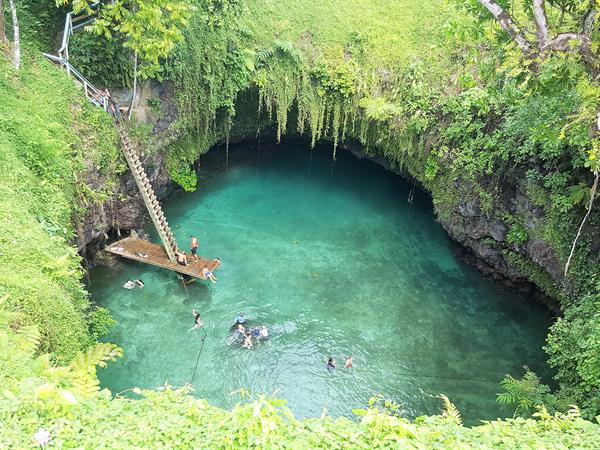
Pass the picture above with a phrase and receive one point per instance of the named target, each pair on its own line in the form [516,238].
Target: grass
[393,31]
[41,155]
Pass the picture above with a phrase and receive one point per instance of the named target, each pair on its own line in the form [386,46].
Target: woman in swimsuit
[208,275]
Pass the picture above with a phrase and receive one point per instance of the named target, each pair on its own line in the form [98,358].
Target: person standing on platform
[194,247]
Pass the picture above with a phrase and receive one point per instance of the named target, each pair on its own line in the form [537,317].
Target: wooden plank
[154,254]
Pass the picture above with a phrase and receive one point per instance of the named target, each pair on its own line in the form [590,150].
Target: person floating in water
[181,258]
[260,332]
[208,275]
[331,364]
[242,318]
[194,247]
[139,282]
[197,321]
[348,364]
[247,340]
[129,285]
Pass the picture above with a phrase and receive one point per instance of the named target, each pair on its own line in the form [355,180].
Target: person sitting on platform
[181,258]
[208,275]
[129,285]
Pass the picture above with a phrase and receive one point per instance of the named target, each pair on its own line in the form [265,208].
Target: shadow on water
[335,261]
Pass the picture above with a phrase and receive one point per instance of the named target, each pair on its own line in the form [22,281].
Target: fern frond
[264,54]
[450,411]
[98,355]
[30,338]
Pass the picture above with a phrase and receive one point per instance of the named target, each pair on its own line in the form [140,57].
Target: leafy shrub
[517,234]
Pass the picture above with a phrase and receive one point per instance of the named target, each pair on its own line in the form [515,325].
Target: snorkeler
[139,282]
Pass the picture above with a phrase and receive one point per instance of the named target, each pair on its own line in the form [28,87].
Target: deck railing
[71,24]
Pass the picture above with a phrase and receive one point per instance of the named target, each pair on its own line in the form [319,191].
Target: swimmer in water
[242,318]
[129,285]
[255,332]
[139,282]
[331,364]
[348,364]
[197,321]
[247,340]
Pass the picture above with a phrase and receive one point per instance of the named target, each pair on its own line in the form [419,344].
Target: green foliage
[525,395]
[573,345]
[154,104]
[185,177]
[65,401]
[102,61]
[517,234]
[100,322]
[43,140]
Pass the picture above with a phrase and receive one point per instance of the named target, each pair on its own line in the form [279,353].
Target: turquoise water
[334,261]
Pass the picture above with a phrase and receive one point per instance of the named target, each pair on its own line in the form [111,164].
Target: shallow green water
[333,260]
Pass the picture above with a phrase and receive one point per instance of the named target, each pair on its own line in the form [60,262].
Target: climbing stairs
[148,195]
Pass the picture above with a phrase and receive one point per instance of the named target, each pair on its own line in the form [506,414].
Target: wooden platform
[157,256]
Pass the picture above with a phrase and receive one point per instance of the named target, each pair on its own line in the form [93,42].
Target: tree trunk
[507,24]
[3,40]
[16,38]
[135,64]
[541,22]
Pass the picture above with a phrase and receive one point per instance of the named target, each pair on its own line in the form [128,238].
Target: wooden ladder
[150,200]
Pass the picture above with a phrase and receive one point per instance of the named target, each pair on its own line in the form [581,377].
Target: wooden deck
[157,256]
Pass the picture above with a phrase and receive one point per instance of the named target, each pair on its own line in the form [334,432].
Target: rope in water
[185,287]
[198,359]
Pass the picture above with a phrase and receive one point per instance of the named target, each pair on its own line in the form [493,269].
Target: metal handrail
[92,93]
[69,28]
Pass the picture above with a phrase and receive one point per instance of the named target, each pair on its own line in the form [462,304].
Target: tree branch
[541,22]
[587,23]
[563,42]
[585,218]
[507,24]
